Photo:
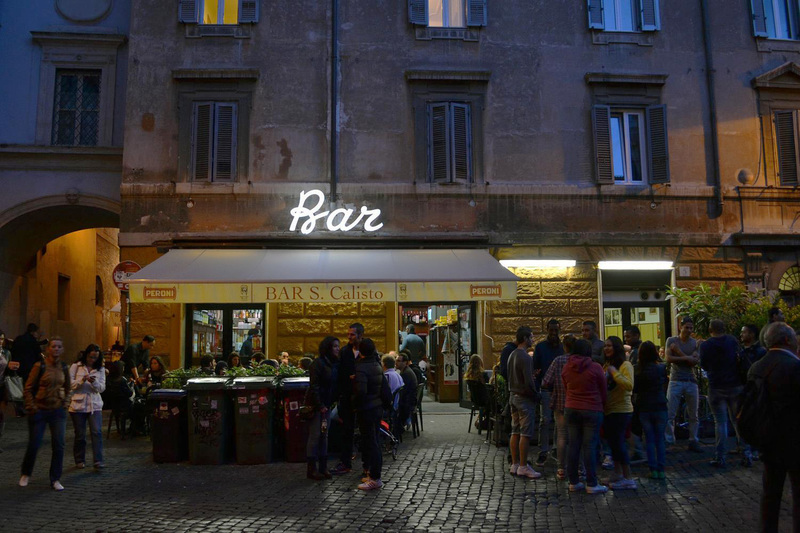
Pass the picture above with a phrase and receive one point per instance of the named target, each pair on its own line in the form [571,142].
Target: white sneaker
[528,472]
[23,481]
[624,484]
[514,469]
[577,487]
[597,489]
[608,463]
[372,484]
[58,486]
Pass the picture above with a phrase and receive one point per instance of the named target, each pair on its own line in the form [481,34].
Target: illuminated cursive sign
[336,220]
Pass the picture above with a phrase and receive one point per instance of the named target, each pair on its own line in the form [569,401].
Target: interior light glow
[537,263]
[634,265]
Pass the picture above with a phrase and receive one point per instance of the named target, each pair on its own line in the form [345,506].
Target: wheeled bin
[295,430]
[210,421]
[254,405]
[168,428]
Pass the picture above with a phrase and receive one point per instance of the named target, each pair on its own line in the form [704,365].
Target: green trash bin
[168,428]
[254,404]
[295,430]
[210,421]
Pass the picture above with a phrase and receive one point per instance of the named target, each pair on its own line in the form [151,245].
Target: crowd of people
[598,395]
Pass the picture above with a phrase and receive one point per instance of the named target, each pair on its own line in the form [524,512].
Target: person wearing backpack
[46,398]
[777,374]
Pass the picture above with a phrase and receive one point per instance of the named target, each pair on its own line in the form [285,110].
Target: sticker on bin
[244,410]
[294,406]
[262,400]
[242,399]
[175,411]
[255,409]
[213,404]
[204,423]
[163,406]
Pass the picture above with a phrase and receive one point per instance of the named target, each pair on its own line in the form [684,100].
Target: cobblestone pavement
[446,480]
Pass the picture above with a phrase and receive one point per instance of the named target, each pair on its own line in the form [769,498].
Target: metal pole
[127,318]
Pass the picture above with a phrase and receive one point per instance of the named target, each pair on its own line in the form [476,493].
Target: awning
[257,276]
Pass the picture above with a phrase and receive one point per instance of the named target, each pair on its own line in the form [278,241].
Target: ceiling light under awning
[634,265]
[537,263]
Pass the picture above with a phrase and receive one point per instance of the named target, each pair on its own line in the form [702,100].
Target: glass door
[219,329]
[652,319]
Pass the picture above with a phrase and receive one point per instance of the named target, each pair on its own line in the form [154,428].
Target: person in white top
[88,379]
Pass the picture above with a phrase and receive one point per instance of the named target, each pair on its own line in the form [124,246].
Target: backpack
[42,364]
[754,418]
[386,394]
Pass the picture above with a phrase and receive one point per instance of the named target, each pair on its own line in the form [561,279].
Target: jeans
[545,422]
[368,423]
[654,423]
[724,404]
[317,446]
[584,429]
[57,420]
[772,491]
[348,429]
[676,391]
[562,438]
[95,421]
[614,426]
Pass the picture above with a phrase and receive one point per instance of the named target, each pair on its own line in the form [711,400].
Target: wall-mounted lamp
[634,265]
[537,263]
[190,203]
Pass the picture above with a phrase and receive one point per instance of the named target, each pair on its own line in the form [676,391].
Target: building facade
[585,131]
[62,101]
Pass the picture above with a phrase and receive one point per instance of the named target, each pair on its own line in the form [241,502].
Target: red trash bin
[295,430]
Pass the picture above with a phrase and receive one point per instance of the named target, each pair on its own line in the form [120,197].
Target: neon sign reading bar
[336,220]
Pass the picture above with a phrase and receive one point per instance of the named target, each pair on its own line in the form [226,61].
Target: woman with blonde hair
[88,381]
[475,369]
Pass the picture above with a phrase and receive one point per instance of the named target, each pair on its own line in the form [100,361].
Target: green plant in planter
[237,371]
[263,370]
[703,304]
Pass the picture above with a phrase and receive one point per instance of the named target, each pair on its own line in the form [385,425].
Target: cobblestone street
[446,480]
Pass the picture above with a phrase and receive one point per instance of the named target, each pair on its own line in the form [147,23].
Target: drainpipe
[712,102]
[334,107]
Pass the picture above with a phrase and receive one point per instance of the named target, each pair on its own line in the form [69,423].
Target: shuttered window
[776,19]
[624,15]
[449,142]
[214,141]
[630,145]
[218,12]
[447,13]
[786,140]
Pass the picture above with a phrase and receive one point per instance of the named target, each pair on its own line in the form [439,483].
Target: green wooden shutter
[248,11]
[759,18]
[201,140]
[786,140]
[187,11]
[438,147]
[657,147]
[595,9]
[461,129]
[601,125]
[418,12]
[225,142]
[651,17]
[476,12]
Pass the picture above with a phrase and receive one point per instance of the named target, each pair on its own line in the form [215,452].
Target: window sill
[461,34]
[614,37]
[237,31]
[777,45]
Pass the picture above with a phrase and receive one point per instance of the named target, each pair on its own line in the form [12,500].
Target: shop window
[630,145]
[63,298]
[447,19]
[214,141]
[449,142]
[624,15]
[776,19]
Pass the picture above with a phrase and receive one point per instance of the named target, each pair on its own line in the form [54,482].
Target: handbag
[306,412]
[15,388]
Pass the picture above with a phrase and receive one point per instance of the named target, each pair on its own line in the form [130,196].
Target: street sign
[122,272]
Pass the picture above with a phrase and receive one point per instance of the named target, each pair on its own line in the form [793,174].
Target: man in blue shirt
[718,359]
[543,355]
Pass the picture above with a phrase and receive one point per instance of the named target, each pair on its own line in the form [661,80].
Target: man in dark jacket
[408,396]
[367,402]
[779,371]
[26,350]
[345,375]
[137,356]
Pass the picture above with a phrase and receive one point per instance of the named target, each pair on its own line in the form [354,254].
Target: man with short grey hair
[779,372]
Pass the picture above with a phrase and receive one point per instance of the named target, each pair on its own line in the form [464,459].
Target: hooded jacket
[585,383]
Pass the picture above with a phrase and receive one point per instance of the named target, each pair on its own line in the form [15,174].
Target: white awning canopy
[255,276]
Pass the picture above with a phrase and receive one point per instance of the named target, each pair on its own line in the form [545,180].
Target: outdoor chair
[416,414]
[480,402]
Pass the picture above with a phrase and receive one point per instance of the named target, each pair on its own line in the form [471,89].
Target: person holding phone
[88,378]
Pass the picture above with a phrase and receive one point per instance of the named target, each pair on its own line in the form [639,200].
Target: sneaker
[597,489]
[654,474]
[717,463]
[608,463]
[371,484]
[99,465]
[577,487]
[694,446]
[746,462]
[528,472]
[624,484]
[662,475]
[80,465]
[23,481]
[57,486]
[514,469]
[561,474]
[341,469]
[542,459]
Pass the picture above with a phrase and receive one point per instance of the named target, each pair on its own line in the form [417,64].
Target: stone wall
[301,326]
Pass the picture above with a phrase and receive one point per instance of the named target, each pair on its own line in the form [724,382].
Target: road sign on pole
[122,272]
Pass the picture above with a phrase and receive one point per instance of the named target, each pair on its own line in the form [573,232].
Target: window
[630,145]
[218,12]
[214,141]
[63,298]
[786,136]
[449,142]
[76,109]
[624,15]
[447,13]
[776,19]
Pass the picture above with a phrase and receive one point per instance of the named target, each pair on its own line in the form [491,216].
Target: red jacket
[585,383]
